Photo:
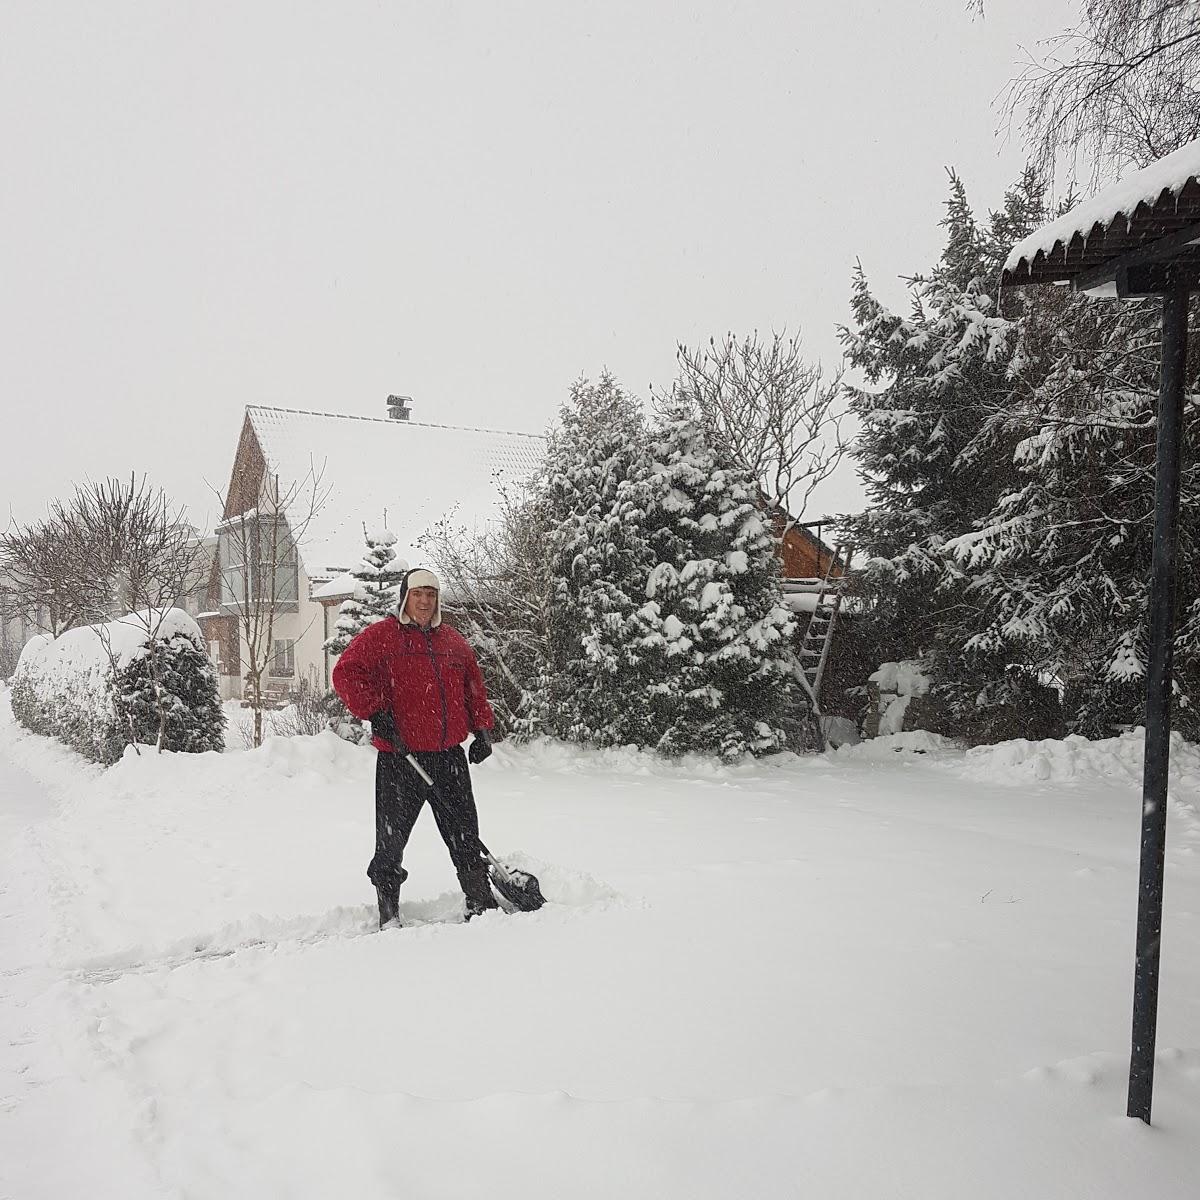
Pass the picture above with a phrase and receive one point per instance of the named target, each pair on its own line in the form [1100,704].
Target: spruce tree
[727,678]
[593,490]
[377,580]
[1062,563]
[936,454]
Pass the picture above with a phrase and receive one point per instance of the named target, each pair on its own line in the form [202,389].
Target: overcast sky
[210,205]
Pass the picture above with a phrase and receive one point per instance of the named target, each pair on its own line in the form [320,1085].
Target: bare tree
[776,413]
[500,587]
[109,548]
[39,589]
[1121,88]
[257,569]
[116,549]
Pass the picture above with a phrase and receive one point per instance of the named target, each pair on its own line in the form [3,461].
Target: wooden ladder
[818,637]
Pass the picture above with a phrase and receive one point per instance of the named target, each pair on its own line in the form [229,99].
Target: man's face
[419,604]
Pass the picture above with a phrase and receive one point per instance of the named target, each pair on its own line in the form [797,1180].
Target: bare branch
[1120,89]
[776,414]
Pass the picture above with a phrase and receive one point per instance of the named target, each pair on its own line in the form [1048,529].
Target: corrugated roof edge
[1141,189]
[309,412]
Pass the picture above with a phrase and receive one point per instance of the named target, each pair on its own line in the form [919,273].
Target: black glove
[383,725]
[481,747]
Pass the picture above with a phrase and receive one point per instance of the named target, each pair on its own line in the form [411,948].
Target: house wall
[305,629]
[803,557]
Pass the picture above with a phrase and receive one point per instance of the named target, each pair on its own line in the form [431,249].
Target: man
[418,683]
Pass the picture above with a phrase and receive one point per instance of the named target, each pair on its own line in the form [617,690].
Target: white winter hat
[419,577]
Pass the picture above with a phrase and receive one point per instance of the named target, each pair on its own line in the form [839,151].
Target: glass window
[258,560]
[283,659]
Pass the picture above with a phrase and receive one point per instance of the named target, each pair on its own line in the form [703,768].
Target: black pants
[399,794]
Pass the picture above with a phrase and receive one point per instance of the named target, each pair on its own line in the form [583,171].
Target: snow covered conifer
[377,577]
[728,677]
[594,686]
[170,696]
[936,452]
[1061,565]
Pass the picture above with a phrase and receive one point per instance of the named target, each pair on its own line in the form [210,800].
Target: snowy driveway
[869,975]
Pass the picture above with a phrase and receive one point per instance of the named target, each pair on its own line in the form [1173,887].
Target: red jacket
[430,682]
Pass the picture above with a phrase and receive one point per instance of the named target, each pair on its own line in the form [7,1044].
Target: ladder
[818,637]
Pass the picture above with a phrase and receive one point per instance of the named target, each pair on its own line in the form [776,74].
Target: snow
[1121,199]
[77,663]
[414,473]
[33,648]
[340,586]
[905,678]
[898,683]
[896,969]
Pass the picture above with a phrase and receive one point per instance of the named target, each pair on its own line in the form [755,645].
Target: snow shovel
[519,888]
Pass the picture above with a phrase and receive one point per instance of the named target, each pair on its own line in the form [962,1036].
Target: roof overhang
[1136,238]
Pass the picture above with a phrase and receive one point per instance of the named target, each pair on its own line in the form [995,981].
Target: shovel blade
[518,888]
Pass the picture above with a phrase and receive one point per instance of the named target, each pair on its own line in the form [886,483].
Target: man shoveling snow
[418,682]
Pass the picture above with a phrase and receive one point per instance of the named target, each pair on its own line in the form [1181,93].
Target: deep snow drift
[895,970]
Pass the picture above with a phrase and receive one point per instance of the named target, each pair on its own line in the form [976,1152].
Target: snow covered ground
[897,970]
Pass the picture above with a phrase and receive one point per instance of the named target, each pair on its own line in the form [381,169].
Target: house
[804,556]
[303,487]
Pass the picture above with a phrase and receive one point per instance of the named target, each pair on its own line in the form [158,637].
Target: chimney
[398,408]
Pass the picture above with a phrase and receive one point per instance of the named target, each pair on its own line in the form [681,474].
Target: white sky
[316,204]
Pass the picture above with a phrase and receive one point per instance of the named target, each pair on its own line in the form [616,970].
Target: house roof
[416,473]
[1156,207]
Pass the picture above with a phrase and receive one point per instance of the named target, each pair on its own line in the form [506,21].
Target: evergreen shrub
[101,688]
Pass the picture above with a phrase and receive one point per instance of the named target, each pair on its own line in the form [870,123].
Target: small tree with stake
[377,580]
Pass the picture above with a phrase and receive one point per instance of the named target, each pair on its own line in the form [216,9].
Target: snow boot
[473,908]
[389,906]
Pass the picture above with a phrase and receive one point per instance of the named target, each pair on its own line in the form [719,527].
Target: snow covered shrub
[144,679]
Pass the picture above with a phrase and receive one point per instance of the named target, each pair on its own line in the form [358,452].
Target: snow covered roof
[416,473]
[338,588]
[1156,202]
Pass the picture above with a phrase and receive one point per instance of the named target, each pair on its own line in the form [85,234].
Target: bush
[101,688]
[314,709]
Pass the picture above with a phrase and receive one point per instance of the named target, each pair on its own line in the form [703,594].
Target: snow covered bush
[143,679]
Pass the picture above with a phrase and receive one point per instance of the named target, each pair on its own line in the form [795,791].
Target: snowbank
[1076,759]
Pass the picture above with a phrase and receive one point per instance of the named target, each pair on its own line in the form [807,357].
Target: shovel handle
[420,770]
[495,862]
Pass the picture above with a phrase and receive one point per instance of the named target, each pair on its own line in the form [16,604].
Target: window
[283,659]
[258,561]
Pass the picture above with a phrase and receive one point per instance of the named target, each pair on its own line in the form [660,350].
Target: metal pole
[1158,702]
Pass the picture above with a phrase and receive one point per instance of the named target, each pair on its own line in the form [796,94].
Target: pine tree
[594,492]
[377,580]
[727,674]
